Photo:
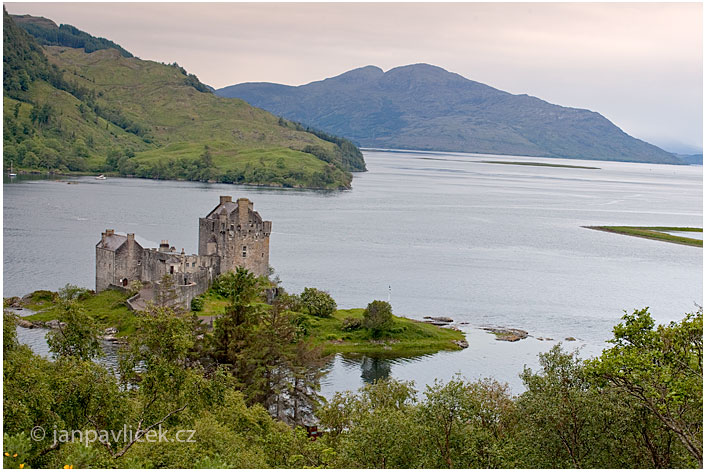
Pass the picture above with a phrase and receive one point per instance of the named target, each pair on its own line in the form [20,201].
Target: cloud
[637,63]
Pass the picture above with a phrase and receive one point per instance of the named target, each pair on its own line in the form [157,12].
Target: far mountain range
[425,107]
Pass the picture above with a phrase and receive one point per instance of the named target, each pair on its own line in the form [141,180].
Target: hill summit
[421,106]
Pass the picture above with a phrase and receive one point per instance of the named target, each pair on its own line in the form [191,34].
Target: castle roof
[229,208]
[224,208]
[112,242]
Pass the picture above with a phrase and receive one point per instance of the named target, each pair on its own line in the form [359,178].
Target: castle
[232,235]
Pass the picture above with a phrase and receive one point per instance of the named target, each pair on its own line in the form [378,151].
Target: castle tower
[238,235]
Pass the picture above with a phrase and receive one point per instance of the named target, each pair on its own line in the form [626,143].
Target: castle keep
[232,235]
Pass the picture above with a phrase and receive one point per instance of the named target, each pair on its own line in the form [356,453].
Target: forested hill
[425,107]
[65,109]
[46,32]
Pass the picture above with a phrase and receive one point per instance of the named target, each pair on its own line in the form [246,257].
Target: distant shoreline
[657,233]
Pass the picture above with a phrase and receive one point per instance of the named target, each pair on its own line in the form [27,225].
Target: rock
[110,331]
[549,339]
[570,338]
[24,323]
[508,334]
[440,319]
[54,324]
[463,344]
[540,339]
[436,323]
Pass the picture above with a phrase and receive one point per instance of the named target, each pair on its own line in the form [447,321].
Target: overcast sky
[638,64]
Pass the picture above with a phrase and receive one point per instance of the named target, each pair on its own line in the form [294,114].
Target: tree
[317,302]
[662,369]
[77,334]
[377,317]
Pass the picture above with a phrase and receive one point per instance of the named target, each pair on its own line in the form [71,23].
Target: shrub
[318,302]
[351,324]
[197,304]
[377,317]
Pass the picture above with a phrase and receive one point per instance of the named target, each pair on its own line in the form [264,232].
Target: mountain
[692,159]
[425,107]
[104,111]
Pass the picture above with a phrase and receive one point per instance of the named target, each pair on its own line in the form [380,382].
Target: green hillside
[68,110]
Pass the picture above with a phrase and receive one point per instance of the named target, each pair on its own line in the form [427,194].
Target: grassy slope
[73,126]
[108,308]
[654,232]
[181,120]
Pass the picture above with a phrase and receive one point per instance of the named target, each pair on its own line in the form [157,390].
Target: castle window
[232,227]
[245,251]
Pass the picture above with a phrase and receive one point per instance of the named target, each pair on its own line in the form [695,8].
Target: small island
[659,233]
[539,164]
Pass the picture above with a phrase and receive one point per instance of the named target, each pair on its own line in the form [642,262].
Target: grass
[657,233]
[406,338]
[108,308]
[538,164]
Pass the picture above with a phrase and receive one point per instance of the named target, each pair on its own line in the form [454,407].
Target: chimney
[130,238]
[226,198]
[244,205]
[164,246]
[109,232]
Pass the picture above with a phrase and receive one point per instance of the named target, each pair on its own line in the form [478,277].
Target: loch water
[440,234]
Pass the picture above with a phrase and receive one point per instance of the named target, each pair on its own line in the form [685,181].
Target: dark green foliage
[317,302]
[191,80]
[77,335]
[197,304]
[23,61]
[351,324]
[377,317]
[661,370]
[47,33]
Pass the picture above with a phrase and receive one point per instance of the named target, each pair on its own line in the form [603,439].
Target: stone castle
[232,235]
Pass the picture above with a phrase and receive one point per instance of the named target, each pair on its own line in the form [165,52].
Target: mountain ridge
[422,106]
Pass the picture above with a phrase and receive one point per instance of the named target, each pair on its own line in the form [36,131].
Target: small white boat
[101,177]
[12,174]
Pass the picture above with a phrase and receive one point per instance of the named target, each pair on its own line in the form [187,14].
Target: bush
[318,302]
[43,295]
[377,317]
[197,304]
[351,324]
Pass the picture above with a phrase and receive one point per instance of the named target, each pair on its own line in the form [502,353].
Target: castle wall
[238,235]
[128,262]
[105,264]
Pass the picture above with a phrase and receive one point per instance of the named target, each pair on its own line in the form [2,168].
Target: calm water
[487,244]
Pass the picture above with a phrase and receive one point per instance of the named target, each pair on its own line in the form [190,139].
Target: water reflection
[373,369]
